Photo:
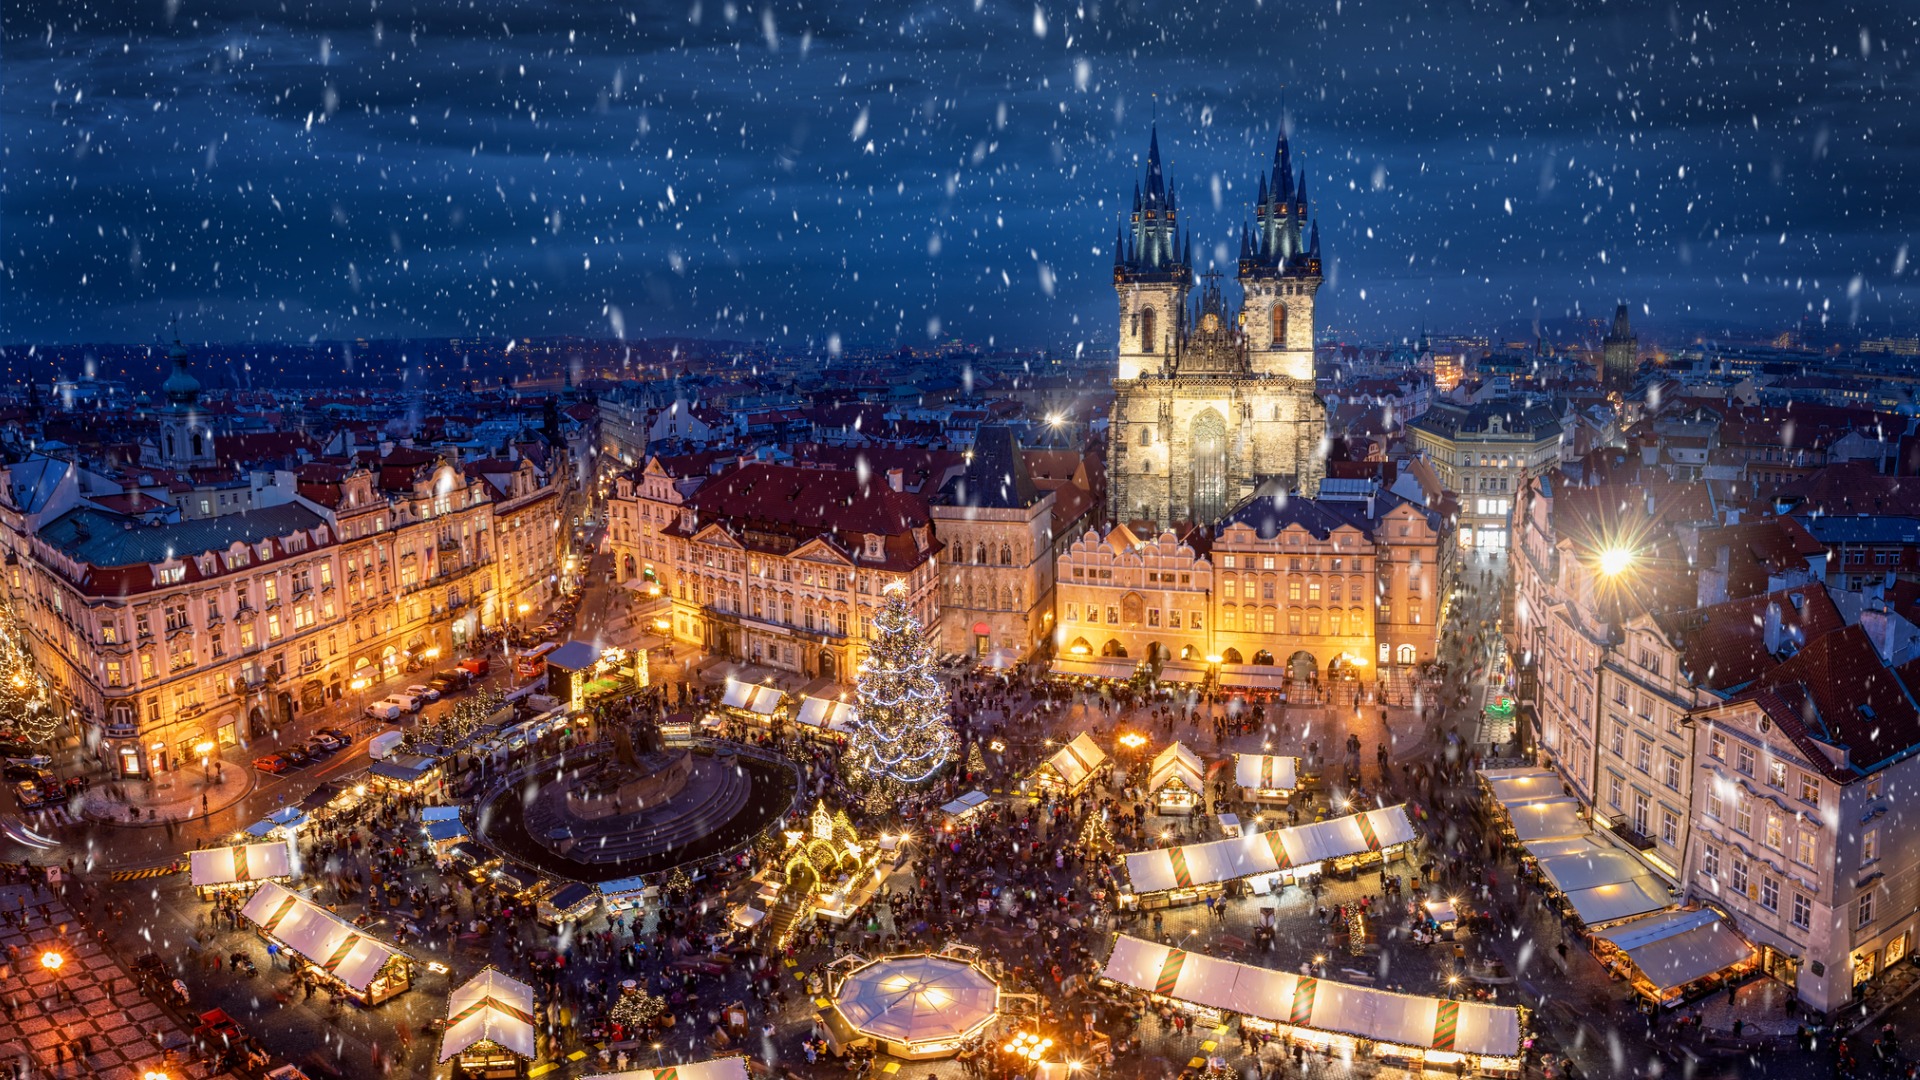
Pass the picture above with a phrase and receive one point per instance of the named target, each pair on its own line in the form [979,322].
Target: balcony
[120,731]
[311,666]
[1639,841]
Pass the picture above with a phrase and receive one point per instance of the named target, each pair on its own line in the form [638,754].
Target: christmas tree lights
[901,738]
[24,706]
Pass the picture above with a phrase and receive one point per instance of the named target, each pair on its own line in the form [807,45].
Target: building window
[1777,774]
[1669,828]
[1776,832]
[1710,861]
[1615,791]
[1743,813]
[1769,892]
[1869,846]
[1673,770]
[146,665]
[246,635]
[1716,746]
[1643,754]
[1802,911]
[1803,847]
[1809,789]
[1739,875]
[273,627]
[1745,761]
[1863,910]
[114,677]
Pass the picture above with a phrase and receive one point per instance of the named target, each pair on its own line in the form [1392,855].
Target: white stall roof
[1604,884]
[736,694]
[765,700]
[1253,676]
[1183,671]
[1268,852]
[319,935]
[727,1068]
[827,714]
[1286,998]
[1266,771]
[1556,818]
[1177,762]
[1077,760]
[245,862]
[287,817]
[440,813]
[1526,786]
[1673,948]
[490,1007]
[966,804]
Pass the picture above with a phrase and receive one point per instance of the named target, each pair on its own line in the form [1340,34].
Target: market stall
[282,824]
[1177,784]
[405,774]
[1676,956]
[568,903]
[726,1068]
[1072,767]
[823,716]
[1165,877]
[1596,883]
[490,1028]
[242,866]
[918,1006]
[1265,778]
[366,968]
[1513,787]
[751,701]
[966,806]
[1343,1019]
[626,894]
[1555,818]
[442,835]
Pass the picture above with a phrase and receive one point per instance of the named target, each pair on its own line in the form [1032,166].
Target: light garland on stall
[901,738]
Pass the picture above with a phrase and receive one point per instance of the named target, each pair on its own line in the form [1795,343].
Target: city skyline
[871,178]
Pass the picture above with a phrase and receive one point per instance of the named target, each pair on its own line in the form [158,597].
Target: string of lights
[902,737]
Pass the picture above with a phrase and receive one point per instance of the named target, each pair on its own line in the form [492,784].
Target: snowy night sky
[894,172]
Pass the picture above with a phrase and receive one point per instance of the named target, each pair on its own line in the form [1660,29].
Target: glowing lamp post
[52,961]
[1028,1047]
[1615,561]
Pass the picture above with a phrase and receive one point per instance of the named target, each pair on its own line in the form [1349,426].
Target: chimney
[897,479]
[1770,631]
[1879,624]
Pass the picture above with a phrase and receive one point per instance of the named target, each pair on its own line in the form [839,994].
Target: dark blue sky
[892,171]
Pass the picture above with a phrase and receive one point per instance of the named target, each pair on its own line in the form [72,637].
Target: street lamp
[1615,561]
[1028,1046]
[52,960]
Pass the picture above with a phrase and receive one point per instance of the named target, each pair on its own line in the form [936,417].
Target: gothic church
[1211,404]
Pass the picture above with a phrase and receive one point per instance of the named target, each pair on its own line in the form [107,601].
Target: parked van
[407,700]
[384,745]
[477,666]
[385,709]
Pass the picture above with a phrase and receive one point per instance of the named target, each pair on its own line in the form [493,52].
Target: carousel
[920,1006]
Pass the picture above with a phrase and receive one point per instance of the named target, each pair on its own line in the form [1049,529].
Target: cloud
[445,168]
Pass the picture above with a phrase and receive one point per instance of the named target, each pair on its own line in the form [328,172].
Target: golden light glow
[1213,658]
[1079,650]
[662,624]
[524,608]
[1615,561]
[203,749]
[52,960]
[1133,740]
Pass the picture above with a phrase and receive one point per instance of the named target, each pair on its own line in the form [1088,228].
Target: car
[29,795]
[271,763]
[20,770]
[295,756]
[424,692]
[75,784]
[39,761]
[446,682]
[407,700]
[317,748]
[336,734]
[385,709]
[329,740]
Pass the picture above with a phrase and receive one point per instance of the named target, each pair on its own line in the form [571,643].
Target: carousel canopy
[1283,997]
[918,999]
[1077,760]
[1266,771]
[1556,818]
[1673,948]
[728,1068]
[246,862]
[322,937]
[1177,762]
[1267,852]
[490,1007]
[1604,884]
[1513,787]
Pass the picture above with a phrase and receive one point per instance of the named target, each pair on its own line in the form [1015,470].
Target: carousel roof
[918,999]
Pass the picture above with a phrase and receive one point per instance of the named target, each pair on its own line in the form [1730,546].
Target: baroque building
[1211,404]
[997,526]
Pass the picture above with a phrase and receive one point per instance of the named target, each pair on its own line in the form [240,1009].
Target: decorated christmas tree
[24,707]
[901,738]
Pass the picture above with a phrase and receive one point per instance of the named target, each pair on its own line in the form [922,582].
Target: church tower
[185,439]
[1212,405]
[1620,354]
[1151,273]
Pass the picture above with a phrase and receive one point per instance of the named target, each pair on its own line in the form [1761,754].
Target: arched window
[1006,555]
[980,554]
[1231,656]
[1279,324]
[1146,436]
[196,444]
[1113,648]
[1149,339]
[1407,654]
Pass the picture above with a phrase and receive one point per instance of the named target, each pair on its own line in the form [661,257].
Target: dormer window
[266,550]
[873,547]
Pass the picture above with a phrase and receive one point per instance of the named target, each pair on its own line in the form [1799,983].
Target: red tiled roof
[801,505]
[1723,647]
[1837,691]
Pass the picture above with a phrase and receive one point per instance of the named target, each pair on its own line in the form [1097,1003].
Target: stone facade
[997,581]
